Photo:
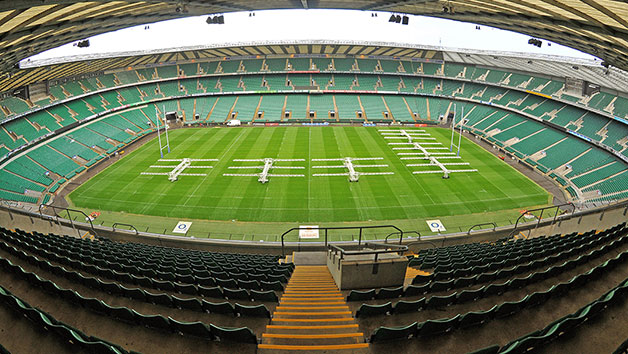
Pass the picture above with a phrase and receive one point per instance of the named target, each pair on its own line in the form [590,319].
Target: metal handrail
[122,224]
[337,228]
[557,207]
[420,242]
[401,235]
[68,210]
[387,249]
[486,223]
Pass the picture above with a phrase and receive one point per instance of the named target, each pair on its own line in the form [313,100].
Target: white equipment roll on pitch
[265,173]
[347,162]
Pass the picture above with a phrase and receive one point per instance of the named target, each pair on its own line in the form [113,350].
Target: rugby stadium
[312,196]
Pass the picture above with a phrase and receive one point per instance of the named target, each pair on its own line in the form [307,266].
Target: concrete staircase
[312,316]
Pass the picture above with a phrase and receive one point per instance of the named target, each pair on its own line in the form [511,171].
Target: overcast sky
[310,24]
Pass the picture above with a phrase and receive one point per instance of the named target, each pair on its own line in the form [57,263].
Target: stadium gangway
[326,229]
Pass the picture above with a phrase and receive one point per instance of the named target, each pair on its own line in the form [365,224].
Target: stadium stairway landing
[312,316]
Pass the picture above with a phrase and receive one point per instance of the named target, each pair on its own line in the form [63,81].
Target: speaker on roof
[405,20]
[216,19]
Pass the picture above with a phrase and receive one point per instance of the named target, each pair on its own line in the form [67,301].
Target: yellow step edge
[312,313]
[342,319]
[312,299]
[313,347]
[298,295]
[312,327]
[311,307]
[309,293]
[305,287]
[310,286]
[311,276]
[336,291]
[334,297]
[312,336]
[314,293]
[290,303]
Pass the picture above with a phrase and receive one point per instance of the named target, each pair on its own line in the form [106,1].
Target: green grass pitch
[120,187]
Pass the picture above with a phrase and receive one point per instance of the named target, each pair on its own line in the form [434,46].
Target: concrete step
[296,294]
[312,329]
[358,348]
[312,308]
[311,298]
[312,316]
[311,303]
[313,339]
[315,321]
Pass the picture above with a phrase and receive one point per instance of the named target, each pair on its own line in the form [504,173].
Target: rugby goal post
[453,130]
[167,145]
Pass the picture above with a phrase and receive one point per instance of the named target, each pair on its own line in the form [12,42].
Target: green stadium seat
[197,329]
[252,311]
[383,334]
[435,327]
[403,306]
[222,307]
[367,310]
[240,335]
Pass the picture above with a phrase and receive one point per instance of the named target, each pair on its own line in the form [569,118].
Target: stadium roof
[598,27]
[548,65]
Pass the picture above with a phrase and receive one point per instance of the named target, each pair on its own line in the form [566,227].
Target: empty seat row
[131,316]
[152,278]
[437,286]
[563,325]
[48,323]
[141,294]
[472,319]
[435,302]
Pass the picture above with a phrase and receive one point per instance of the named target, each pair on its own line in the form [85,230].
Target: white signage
[182,227]
[308,231]
[435,225]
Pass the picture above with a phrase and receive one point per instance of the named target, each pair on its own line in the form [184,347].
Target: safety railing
[556,208]
[68,210]
[383,248]
[401,235]
[484,224]
[326,229]
[127,225]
